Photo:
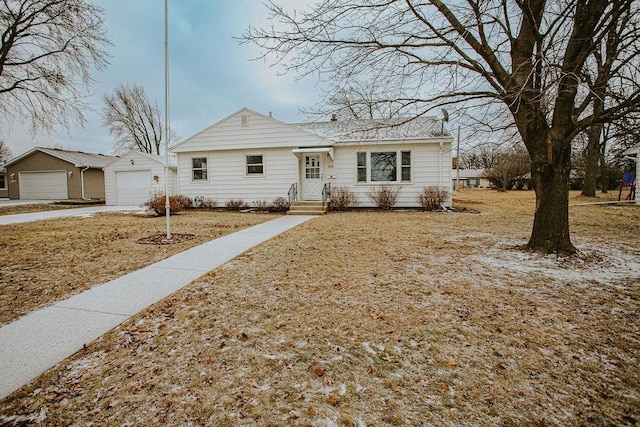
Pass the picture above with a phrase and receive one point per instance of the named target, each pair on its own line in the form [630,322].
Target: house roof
[469,173]
[400,129]
[77,158]
[633,150]
[173,163]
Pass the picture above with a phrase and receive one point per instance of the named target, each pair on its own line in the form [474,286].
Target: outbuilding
[54,174]
[136,177]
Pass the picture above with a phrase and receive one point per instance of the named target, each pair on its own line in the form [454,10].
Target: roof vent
[245,120]
[334,118]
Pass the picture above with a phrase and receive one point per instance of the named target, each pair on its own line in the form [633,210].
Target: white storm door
[312,181]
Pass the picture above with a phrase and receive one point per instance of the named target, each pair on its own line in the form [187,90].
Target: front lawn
[367,318]
[46,261]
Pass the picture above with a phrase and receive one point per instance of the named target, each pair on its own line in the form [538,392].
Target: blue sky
[211,74]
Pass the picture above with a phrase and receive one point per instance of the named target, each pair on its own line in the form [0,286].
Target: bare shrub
[236,205]
[262,205]
[280,204]
[384,196]
[185,201]
[342,198]
[209,204]
[158,205]
[432,198]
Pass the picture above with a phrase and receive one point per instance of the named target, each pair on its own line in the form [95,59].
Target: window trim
[399,166]
[206,169]
[247,164]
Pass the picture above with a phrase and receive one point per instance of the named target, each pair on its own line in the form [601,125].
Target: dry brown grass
[46,261]
[367,318]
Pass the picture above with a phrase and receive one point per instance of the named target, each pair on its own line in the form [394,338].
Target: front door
[312,179]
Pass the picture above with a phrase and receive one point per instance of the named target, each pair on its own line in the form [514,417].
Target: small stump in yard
[161,239]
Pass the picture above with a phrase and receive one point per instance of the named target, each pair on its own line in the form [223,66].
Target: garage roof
[77,158]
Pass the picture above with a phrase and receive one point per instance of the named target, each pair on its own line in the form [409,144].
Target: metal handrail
[326,193]
[293,193]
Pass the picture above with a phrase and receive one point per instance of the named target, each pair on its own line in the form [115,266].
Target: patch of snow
[368,349]
[343,389]
[595,263]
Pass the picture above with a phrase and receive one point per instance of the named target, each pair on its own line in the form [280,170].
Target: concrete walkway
[40,340]
[63,213]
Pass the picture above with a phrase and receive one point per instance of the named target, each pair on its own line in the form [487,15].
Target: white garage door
[133,188]
[51,185]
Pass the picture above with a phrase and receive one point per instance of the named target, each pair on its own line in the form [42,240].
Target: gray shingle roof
[77,158]
[80,158]
[422,128]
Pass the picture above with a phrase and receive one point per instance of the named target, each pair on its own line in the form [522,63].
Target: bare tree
[525,59]
[509,168]
[5,153]
[599,77]
[480,157]
[48,49]
[133,120]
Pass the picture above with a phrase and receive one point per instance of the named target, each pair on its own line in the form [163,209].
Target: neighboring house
[473,178]
[136,177]
[4,187]
[253,157]
[54,174]
[634,153]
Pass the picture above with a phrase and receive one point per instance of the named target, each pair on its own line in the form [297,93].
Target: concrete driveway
[63,213]
[7,202]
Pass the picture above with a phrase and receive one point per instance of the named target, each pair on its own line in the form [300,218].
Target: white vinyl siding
[141,162]
[260,133]
[228,178]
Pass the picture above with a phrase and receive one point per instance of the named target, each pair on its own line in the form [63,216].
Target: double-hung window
[383,166]
[406,166]
[199,168]
[362,167]
[3,182]
[255,164]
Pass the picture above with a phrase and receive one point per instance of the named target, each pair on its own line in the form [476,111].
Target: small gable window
[255,164]
[199,168]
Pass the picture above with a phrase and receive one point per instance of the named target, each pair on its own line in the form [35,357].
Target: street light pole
[166,117]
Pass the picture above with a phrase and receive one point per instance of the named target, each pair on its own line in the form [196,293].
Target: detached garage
[53,174]
[136,177]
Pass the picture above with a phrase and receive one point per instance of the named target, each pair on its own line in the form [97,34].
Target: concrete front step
[308,208]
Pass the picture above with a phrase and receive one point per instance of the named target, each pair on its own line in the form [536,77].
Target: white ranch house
[253,157]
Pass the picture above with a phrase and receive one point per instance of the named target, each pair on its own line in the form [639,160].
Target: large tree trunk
[550,172]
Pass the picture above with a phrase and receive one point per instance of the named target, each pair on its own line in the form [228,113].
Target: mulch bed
[161,239]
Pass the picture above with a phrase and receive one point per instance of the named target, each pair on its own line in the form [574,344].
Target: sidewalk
[38,341]
[63,213]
